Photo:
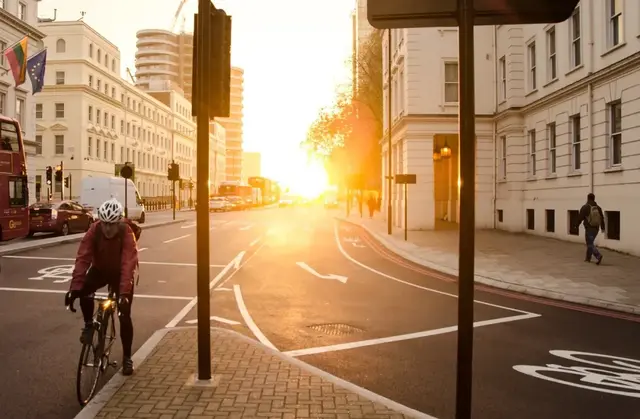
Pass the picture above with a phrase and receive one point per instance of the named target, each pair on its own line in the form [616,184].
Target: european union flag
[35,68]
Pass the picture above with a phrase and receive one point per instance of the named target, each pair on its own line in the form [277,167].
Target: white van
[96,190]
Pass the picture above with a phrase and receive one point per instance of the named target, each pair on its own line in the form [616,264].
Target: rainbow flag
[17,56]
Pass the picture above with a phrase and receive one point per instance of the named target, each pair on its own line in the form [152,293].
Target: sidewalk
[523,263]
[250,381]
[154,219]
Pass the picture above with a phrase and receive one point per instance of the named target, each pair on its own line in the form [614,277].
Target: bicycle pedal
[113,364]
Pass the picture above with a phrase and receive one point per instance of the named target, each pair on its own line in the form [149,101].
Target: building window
[59,144]
[22,11]
[90,50]
[113,122]
[113,64]
[615,133]
[98,143]
[104,150]
[122,154]
[99,55]
[575,142]
[503,78]
[614,23]
[613,224]
[38,110]
[113,92]
[451,82]
[59,77]
[90,113]
[575,34]
[38,145]
[550,220]
[503,157]
[532,152]
[113,152]
[122,127]
[90,81]
[90,147]
[552,59]
[533,75]
[3,46]
[61,46]
[574,222]
[20,107]
[3,102]
[553,152]
[99,86]
[500,216]
[106,119]
[98,117]
[59,110]
[106,89]
[531,219]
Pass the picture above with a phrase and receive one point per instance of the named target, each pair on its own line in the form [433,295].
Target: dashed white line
[249,321]
[177,238]
[256,241]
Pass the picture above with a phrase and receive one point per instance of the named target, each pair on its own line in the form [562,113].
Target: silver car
[218,204]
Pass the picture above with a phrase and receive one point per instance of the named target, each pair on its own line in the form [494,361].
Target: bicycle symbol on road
[60,274]
[613,375]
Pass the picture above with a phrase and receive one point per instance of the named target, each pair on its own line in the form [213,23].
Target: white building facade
[218,157]
[558,117]
[20,19]
[234,126]
[90,119]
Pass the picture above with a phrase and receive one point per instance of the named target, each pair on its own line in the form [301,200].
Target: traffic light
[66,182]
[49,171]
[59,173]
[173,172]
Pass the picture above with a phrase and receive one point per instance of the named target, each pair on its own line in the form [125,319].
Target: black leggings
[95,281]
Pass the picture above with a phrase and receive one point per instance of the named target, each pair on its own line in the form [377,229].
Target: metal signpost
[385,14]
[406,180]
[211,98]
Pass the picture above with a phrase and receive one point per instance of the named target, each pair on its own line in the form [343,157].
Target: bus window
[8,137]
[18,192]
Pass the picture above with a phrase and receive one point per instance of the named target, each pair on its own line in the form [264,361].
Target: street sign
[405,179]
[132,168]
[388,14]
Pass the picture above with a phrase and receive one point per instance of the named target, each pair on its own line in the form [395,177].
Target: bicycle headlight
[106,304]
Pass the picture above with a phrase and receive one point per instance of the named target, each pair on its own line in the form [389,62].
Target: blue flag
[35,69]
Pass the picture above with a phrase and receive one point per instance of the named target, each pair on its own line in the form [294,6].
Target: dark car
[63,218]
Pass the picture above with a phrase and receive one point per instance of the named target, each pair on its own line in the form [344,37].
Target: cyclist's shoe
[87,334]
[127,366]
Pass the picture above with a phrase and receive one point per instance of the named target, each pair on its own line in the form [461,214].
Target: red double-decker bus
[14,190]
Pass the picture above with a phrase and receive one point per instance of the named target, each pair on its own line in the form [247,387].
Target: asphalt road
[327,293]
[40,345]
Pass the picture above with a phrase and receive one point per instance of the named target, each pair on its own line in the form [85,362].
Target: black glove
[70,298]
[124,304]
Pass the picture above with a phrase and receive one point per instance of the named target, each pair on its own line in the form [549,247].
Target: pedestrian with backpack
[593,220]
[107,255]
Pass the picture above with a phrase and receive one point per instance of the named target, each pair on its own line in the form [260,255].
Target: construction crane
[177,15]
[133,79]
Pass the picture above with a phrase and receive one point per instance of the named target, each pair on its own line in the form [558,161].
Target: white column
[421,195]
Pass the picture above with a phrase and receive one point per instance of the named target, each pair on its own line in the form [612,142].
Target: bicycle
[100,349]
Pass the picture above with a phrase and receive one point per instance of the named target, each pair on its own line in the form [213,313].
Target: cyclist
[107,255]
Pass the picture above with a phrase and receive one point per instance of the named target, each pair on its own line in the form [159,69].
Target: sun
[311,181]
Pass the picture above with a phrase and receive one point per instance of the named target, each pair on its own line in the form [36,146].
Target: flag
[17,56]
[36,67]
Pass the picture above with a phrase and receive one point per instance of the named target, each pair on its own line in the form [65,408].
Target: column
[419,161]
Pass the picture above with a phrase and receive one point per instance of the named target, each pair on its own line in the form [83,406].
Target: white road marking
[408,336]
[162,282]
[217,319]
[219,289]
[189,225]
[102,294]
[142,249]
[369,268]
[181,315]
[249,321]
[238,259]
[177,238]
[239,267]
[141,262]
[309,269]
[247,227]
[256,241]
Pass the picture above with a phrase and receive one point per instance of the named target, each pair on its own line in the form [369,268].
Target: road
[325,292]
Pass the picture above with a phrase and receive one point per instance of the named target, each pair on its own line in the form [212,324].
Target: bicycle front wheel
[88,375]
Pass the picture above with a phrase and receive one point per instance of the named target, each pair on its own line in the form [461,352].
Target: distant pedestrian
[592,218]
[372,203]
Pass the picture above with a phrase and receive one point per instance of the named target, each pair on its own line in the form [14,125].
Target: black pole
[173,198]
[62,181]
[466,252]
[406,210]
[390,118]
[126,204]
[202,190]
[70,188]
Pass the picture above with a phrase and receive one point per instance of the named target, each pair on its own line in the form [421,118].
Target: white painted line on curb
[47,291]
[177,238]
[411,284]
[191,304]
[193,265]
[249,321]
[408,336]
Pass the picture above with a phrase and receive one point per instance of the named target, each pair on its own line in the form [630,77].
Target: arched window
[61,46]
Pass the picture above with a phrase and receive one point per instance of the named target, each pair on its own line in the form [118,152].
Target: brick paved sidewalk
[252,381]
[523,263]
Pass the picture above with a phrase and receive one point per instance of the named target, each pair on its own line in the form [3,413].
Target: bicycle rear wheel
[89,368]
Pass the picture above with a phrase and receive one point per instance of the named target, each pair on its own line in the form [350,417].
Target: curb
[36,245]
[93,408]
[497,283]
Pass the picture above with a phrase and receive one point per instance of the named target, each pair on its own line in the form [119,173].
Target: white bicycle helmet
[110,211]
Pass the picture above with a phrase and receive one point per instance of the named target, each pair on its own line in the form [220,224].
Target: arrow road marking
[217,319]
[309,269]
[358,245]
[238,259]
[351,240]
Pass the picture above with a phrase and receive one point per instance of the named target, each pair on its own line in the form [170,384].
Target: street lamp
[445,151]
[437,156]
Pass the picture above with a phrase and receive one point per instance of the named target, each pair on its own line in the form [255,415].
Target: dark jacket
[584,214]
[106,258]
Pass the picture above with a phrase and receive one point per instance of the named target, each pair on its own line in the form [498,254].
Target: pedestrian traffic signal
[49,172]
[59,173]
[173,172]
[66,182]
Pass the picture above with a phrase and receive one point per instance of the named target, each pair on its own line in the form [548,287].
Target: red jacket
[108,259]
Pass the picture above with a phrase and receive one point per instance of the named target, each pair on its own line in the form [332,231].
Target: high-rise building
[163,55]
[233,126]
[251,165]
[21,18]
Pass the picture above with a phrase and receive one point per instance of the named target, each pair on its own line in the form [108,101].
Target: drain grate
[335,329]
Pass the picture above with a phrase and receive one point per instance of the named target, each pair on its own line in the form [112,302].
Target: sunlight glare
[311,182]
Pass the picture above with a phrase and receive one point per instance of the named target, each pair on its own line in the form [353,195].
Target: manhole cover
[335,329]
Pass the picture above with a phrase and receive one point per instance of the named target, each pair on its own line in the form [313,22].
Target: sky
[293,52]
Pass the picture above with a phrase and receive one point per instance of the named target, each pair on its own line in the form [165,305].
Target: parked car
[64,217]
[219,204]
[237,203]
